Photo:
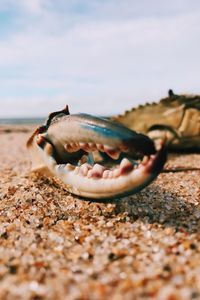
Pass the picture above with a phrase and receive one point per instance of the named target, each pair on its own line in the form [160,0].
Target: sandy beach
[57,246]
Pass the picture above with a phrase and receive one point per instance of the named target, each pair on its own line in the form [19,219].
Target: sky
[98,56]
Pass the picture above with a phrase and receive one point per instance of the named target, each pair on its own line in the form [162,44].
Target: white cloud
[32,6]
[24,6]
[102,65]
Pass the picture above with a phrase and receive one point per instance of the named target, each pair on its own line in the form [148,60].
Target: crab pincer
[64,146]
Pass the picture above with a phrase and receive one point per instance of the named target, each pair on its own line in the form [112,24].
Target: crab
[105,158]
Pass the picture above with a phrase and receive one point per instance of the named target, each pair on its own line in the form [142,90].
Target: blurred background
[99,56]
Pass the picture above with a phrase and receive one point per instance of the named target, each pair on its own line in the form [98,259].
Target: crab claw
[61,145]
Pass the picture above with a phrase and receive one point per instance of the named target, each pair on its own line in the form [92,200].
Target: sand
[57,246]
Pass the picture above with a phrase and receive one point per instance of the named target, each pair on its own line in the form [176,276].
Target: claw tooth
[88,166]
[74,146]
[98,167]
[97,170]
[69,167]
[125,162]
[69,147]
[125,166]
[100,147]
[76,171]
[84,169]
[115,155]
[112,152]
[84,146]
[107,148]
[105,174]
[116,173]
[145,160]
[89,174]
[81,144]
[92,146]
[110,175]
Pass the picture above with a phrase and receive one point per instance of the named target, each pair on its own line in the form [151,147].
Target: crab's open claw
[66,139]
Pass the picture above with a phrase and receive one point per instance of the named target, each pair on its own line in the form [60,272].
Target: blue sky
[98,56]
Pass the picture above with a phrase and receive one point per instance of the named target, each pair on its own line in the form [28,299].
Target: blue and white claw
[61,146]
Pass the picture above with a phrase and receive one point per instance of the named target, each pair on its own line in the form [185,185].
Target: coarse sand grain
[57,246]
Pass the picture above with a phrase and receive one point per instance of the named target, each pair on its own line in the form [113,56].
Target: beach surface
[57,246]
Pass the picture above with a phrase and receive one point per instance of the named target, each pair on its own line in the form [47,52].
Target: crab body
[175,118]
